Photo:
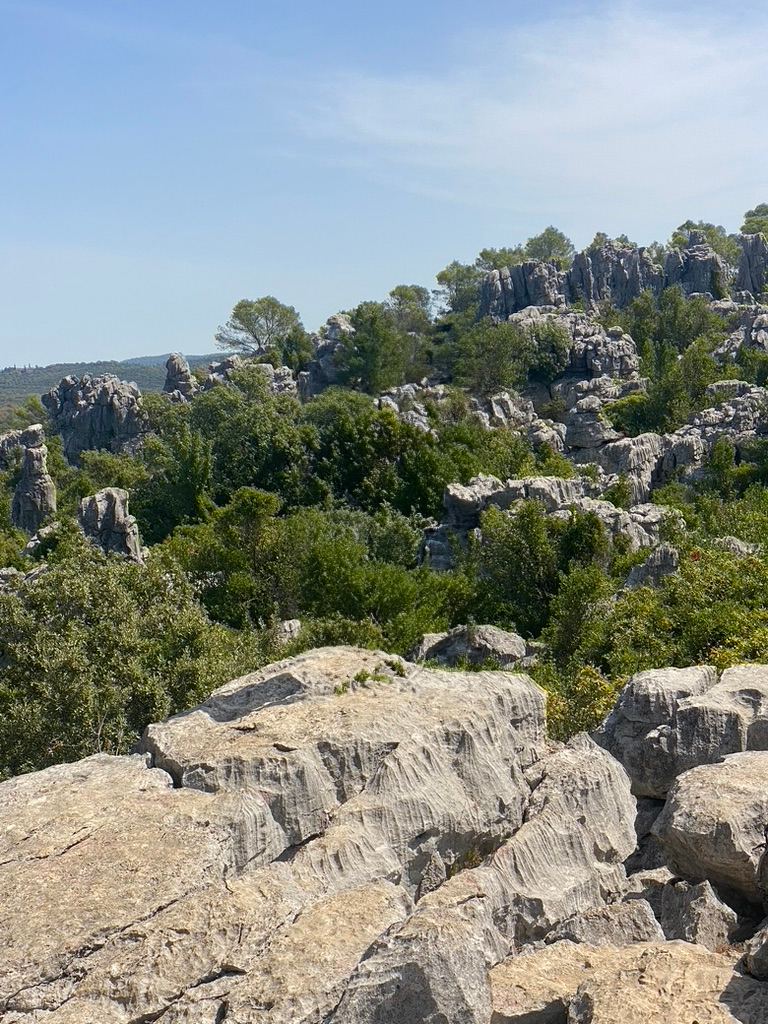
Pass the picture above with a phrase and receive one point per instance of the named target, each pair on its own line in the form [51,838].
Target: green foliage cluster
[675,338]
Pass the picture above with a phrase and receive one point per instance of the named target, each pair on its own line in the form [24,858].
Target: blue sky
[160,161]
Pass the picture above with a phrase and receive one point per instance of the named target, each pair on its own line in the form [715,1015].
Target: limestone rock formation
[221,373]
[179,381]
[613,273]
[323,371]
[474,646]
[670,983]
[34,499]
[348,838]
[640,525]
[752,275]
[713,823]
[14,441]
[617,924]
[95,413]
[104,519]
[662,561]
[698,270]
[532,283]
[669,720]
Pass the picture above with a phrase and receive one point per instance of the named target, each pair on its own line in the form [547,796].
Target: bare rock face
[712,826]
[698,270]
[323,371]
[669,720]
[617,924]
[95,413]
[178,378]
[306,802]
[475,646]
[34,499]
[613,273]
[662,561]
[670,983]
[753,264]
[532,283]
[13,441]
[104,519]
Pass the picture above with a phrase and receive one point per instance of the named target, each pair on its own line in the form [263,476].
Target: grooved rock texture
[348,838]
[673,983]
[94,413]
[752,275]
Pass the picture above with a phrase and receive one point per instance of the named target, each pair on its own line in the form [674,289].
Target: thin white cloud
[625,106]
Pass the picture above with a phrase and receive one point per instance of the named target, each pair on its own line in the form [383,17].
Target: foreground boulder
[713,823]
[669,720]
[260,844]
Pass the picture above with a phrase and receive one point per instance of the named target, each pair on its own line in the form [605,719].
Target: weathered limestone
[104,519]
[752,275]
[617,924]
[640,730]
[670,983]
[179,381]
[13,441]
[712,826]
[475,646]
[34,499]
[95,413]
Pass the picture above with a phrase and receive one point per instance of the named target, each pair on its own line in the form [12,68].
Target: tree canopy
[257,325]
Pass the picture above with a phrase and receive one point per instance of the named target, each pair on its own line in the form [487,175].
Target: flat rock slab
[89,849]
[669,983]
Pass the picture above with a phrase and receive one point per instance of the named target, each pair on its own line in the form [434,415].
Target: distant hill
[148,372]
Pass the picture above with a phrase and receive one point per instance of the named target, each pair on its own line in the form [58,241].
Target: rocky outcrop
[296,817]
[640,525]
[179,382]
[474,646]
[34,499]
[104,519]
[595,351]
[350,838]
[669,720]
[323,370]
[532,283]
[613,273]
[662,561]
[652,982]
[752,275]
[95,413]
[697,270]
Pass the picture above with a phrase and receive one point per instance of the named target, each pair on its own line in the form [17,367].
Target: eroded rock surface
[34,499]
[105,520]
[95,413]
